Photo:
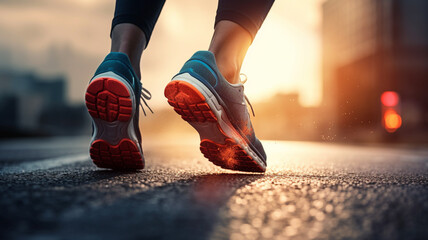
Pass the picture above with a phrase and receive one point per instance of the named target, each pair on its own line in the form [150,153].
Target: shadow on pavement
[184,209]
[81,204]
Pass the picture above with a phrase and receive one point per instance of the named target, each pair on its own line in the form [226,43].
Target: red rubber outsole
[188,102]
[109,100]
[229,156]
[124,155]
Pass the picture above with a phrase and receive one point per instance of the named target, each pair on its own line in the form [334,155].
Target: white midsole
[222,119]
[114,132]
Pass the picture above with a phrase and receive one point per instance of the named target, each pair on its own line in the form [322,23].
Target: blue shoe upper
[202,66]
[120,64]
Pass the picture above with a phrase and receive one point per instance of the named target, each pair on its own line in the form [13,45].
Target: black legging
[249,14]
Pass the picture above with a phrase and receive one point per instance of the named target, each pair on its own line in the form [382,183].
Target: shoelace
[145,95]
[245,96]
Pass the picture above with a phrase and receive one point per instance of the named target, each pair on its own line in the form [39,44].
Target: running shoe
[113,100]
[218,111]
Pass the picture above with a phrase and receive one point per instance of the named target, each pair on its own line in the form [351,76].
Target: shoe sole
[220,143]
[110,102]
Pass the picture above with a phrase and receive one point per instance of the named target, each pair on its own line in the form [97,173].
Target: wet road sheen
[50,190]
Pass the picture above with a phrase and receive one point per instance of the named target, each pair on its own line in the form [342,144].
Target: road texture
[50,190]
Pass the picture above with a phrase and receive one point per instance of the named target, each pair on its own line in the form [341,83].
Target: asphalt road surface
[50,190]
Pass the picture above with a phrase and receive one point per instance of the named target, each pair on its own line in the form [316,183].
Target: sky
[71,37]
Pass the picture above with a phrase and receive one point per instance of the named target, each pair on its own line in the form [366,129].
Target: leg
[237,23]
[132,27]
[114,92]
[229,44]
[129,39]
[202,94]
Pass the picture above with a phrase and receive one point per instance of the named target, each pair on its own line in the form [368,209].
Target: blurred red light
[389,99]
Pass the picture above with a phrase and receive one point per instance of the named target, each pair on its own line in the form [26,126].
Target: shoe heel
[188,102]
[108,99]
[124,155]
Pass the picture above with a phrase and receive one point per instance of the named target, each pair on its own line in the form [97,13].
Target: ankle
[130,40]
[229,69]
[229,44]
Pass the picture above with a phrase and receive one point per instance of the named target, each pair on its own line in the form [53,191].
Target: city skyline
[71,38]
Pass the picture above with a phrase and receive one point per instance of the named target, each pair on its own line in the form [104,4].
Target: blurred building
[34,105]
[370,47]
